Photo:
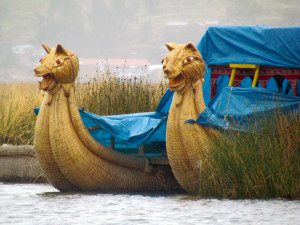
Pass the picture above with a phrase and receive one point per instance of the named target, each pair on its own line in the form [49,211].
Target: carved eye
[59,61]
[41,60]
[162,61]
[188,60]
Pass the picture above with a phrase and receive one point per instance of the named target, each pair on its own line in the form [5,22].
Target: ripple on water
[42,204]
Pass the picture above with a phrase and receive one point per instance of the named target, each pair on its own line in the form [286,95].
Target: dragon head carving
[183,65]
[60,65]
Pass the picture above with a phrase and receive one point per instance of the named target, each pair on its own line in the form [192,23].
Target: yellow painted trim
[232,76]
[254,82]
[244,66]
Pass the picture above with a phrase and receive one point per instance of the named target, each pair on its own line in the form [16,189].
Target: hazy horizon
[120,30]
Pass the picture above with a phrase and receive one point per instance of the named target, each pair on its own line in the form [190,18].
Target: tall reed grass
[255,164]
[109,93]
[16,112]
[105,94]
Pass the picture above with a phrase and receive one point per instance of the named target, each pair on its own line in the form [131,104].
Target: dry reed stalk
[16,112]
[106,94]
[256,165]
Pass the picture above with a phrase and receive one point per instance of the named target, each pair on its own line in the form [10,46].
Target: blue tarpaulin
[262,45]
[131,130]
[235,107]
[239,108]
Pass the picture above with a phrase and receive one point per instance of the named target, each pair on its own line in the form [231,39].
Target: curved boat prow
[70,157]
[187,144]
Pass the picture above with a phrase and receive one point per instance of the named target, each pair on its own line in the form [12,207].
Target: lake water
[42,204]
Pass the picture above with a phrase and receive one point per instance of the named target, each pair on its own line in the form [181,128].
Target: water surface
[42,204]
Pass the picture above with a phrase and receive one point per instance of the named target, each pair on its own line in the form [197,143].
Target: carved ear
[61,50]
[46,47]
[191,47]
[171,46]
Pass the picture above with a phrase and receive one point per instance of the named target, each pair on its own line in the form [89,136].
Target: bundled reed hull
[187,144]
[70,158]
[71,162]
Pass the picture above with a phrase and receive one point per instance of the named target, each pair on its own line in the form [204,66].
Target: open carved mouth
[47,83]
[176,81]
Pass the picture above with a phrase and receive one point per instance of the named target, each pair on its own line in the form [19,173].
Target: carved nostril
[167,71]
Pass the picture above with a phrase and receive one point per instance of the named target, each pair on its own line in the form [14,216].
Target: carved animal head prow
[59,66]
[183,65]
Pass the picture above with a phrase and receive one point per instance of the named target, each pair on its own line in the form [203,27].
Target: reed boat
[234,78]
[132,157]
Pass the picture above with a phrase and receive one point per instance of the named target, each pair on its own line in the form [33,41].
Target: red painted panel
[292,74]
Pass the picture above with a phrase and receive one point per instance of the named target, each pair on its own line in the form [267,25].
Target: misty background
[127,35]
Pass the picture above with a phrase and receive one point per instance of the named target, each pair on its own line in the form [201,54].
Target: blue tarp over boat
[129,131]
[265,46]
[262,45]
[236,108]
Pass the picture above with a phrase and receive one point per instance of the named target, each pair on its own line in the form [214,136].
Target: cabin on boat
[251,56]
